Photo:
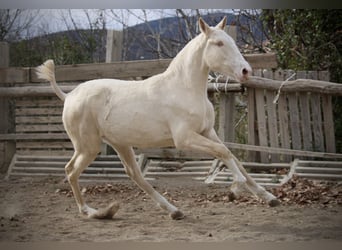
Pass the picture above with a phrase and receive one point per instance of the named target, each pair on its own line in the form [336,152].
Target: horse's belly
[138,131]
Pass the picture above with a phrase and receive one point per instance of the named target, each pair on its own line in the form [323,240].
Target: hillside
[161,38]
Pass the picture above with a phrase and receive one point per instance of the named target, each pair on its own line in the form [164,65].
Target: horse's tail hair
[46,71]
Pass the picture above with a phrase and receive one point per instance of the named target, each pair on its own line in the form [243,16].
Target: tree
[15,23]
[306,39]
[90,34]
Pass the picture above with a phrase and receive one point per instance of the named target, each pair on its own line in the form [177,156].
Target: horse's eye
[219,43]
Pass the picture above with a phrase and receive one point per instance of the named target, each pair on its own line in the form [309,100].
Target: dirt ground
[43,209]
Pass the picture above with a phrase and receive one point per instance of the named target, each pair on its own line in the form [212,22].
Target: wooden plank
[14,75]
[4,54]
[39,102]
[267,74]
[38,119]
[41,91]
[6,115]
[32,91]
[225,88]
[320,176]
[317,122]
[322,164]
[51,153]
[119,70]
[226,129]
[38,111]
[324,76]
[53,167]
[293,152]
[296,137]
[40,128]
[272,123]
[251,120]
[277,75]
[265,166]
[283,116]
[314,170]
[328,124]
[261,121]
[301,74]
[254,82]
[44,145]
[312,75]
[305,115]
[33,136]
[172,153]
[289,74]
[99,158]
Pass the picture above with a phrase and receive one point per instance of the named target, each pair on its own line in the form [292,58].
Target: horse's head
[221,53]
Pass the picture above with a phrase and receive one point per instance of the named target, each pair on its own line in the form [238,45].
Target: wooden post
[4,55]
[114,45]
[113,53]
[7,149]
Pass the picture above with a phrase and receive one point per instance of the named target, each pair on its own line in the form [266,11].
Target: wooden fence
[39,129]
[300,118]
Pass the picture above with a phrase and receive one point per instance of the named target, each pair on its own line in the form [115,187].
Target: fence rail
[118,70]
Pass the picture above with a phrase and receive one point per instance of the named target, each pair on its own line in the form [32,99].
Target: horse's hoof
[106,213]
[177,215]
[274,203]
[237,188]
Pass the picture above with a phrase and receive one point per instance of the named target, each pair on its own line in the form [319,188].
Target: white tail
[46,71]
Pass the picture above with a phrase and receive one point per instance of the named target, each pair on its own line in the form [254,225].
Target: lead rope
[275,101]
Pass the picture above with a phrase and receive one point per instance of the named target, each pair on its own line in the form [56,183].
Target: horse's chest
[201,117]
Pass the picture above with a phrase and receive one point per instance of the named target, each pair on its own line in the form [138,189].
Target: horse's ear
[204,27]
[222,24]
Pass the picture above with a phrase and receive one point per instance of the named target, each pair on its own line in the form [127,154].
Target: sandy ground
[43,209]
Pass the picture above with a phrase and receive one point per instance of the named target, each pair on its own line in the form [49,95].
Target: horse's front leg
[211,144]
[190,140]
[252,186]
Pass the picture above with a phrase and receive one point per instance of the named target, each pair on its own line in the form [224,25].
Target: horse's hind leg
[127,157]
[73,169]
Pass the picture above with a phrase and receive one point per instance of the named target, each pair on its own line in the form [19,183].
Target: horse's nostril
[244,71]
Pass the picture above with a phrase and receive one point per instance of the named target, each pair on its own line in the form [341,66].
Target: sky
[59,19]
[54,20]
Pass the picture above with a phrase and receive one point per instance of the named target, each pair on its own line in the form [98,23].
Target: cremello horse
[169,109]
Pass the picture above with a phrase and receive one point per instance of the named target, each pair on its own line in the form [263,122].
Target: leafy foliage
[306,39]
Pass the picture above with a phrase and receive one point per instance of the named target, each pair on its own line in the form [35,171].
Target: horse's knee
[72,176]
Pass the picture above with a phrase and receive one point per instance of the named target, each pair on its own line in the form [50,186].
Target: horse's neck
[188,65]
